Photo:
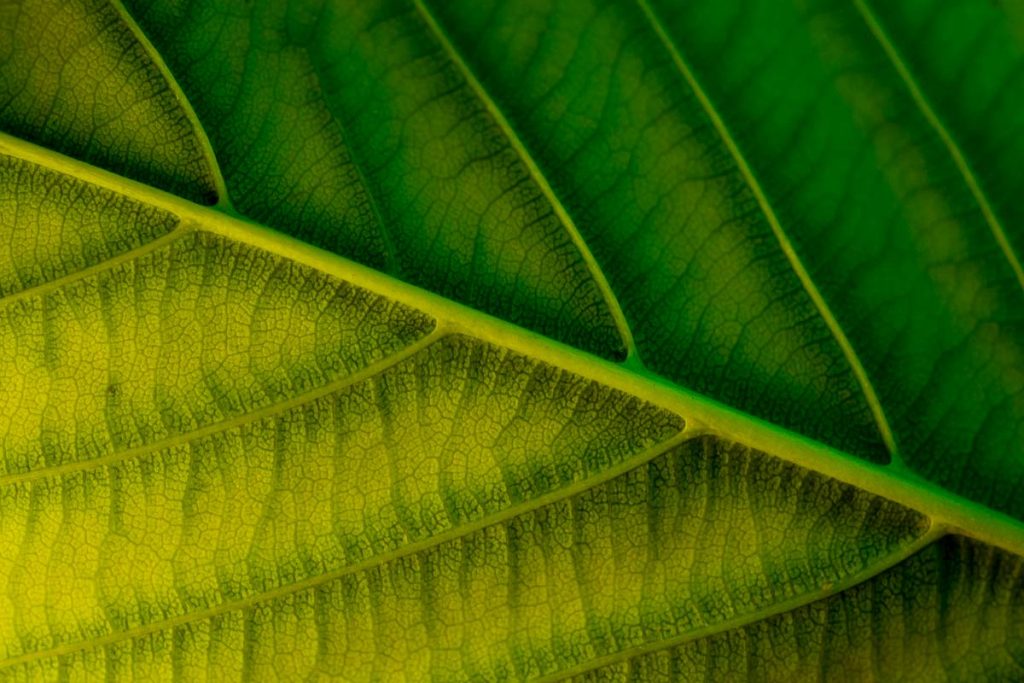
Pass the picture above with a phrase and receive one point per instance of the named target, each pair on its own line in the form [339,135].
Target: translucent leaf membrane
[951,613]
[55,226]
[349,126]
[75,78]
[442,440]
[173,335]
[228,455]
[210,441]
[713,301]
[160,570]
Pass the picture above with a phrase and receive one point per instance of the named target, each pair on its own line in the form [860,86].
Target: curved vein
[538,177]
[998,232]
[500,517]
[882,564]
[110,263]
[701,412]
[271,410]
[391,262]
[868,389]
[219,184]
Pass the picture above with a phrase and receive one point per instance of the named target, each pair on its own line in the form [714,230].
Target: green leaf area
[483,340]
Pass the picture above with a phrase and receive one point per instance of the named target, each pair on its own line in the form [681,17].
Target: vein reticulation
[286,547]
[196,332]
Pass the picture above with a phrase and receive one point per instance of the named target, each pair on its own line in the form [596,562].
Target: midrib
[699,411]
[702,415]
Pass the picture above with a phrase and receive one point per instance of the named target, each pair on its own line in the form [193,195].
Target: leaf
[677,340]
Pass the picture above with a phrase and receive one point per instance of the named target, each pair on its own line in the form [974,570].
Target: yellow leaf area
[227,455]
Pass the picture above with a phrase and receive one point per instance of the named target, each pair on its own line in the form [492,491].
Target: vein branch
[219,184]
[868,389]
[539,179]
[500,517]
[391,261]
[882,564]
[107,264]
[271,410]
[917,94]
[701,413]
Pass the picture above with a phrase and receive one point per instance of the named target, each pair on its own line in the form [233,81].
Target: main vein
[917,94]
[538,177]
[223,201]
[968,517]
[870,395]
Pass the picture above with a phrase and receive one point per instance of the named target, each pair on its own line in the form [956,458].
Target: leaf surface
[676,341]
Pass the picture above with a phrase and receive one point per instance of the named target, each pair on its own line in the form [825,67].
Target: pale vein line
[223,201]
[975,519]
[947,138]
[871,397]
[628,464]
[391,262]
[539,178]
[271,410]
[847,582]
[107,264]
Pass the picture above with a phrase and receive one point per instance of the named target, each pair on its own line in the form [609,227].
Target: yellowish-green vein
[271,410]
[701,413]
[107,264]
[500,517]
[619,317]
[223,201]
[870,395]
[947,138]
[783,606]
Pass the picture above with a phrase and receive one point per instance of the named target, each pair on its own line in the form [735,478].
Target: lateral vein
[391,260]
[611,300]
[860,373]
[884,563]
[271,410]
[917,94]
[219,184]
[637,460]
[167,238]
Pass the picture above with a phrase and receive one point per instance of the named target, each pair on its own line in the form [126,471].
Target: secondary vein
[917,94]
[219,184]
[392,263]
[538,177]
[271,410]
[868,389]
[637,460]
[882,564]
[135,253]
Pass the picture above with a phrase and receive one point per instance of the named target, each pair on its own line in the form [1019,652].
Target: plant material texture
[484,340]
